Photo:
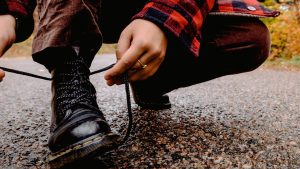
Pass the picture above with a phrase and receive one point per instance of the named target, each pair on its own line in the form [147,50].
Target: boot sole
[87,148]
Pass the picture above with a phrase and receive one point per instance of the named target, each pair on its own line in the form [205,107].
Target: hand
[141,43]
[7,35]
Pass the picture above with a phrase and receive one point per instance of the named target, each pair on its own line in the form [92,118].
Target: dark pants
[230,45]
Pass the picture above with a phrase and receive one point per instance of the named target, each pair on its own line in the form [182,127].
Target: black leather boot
[78,128]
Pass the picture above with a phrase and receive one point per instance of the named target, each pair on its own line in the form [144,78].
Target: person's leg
[64,26]
[230,45]
[67,39]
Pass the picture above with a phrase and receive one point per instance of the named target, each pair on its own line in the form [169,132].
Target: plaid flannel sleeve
[22,10]
[183,18]
[250,8]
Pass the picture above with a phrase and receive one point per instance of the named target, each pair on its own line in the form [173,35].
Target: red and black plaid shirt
[183,18]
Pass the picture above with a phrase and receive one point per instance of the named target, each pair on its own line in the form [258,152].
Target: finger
[110,82]
[128,60]
[116,80]
[142,61]
[137,67]
[2,48]
[141,74]
[147,58]
[123,44]
[2,74]
[147,72]
[119,82]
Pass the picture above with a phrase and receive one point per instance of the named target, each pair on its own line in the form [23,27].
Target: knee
[261,44]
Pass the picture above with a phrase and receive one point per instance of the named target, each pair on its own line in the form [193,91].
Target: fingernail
[109,83]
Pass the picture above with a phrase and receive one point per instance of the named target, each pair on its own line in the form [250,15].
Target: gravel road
[250,120]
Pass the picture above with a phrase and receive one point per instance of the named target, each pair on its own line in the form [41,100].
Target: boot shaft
[71,89]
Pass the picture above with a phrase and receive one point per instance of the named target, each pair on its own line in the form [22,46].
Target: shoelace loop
[125,79]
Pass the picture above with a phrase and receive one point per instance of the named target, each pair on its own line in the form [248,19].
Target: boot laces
[126,82]
[73,87]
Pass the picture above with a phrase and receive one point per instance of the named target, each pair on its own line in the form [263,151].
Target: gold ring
[142,65]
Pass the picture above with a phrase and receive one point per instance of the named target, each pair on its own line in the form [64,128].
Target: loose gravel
[249,120]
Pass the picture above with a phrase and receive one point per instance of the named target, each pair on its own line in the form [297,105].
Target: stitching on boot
[58,154]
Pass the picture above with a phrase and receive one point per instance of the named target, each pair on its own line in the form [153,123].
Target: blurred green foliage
[285,31]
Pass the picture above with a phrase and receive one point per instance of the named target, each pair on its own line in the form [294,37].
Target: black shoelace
[73,87]
[125,79]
